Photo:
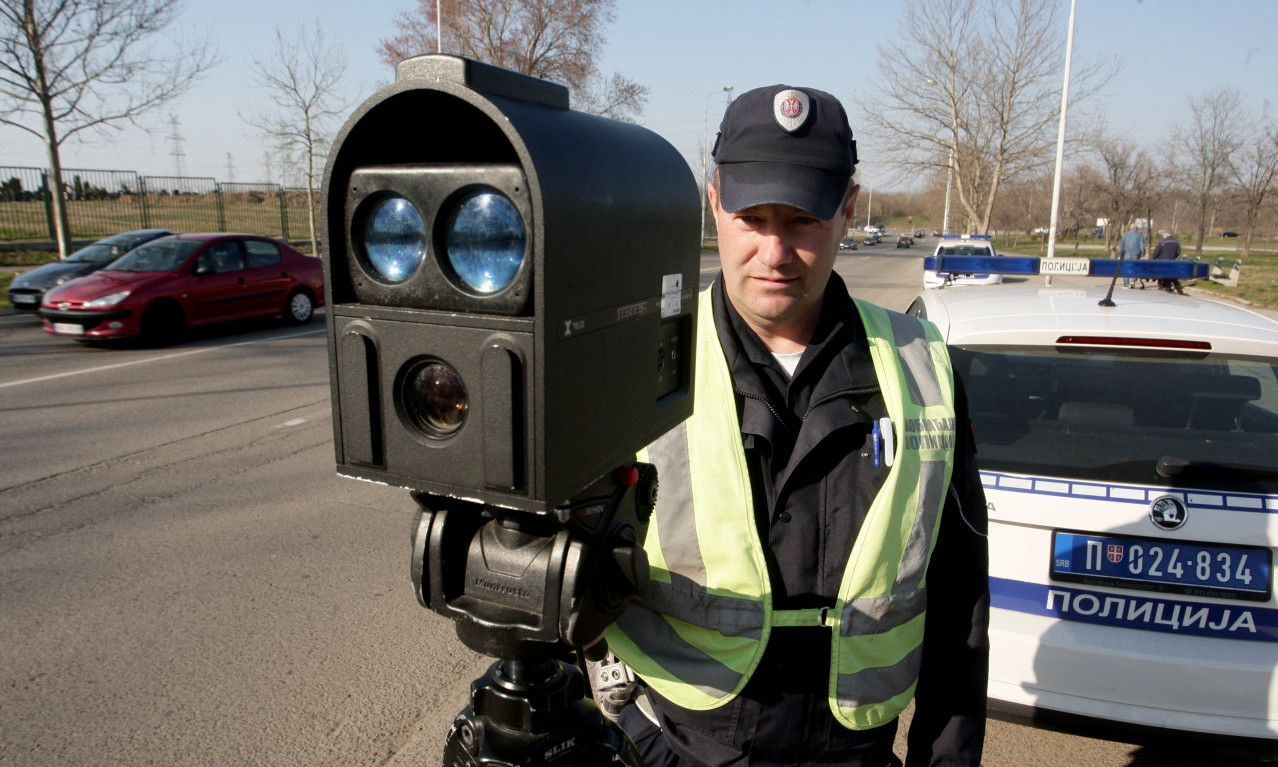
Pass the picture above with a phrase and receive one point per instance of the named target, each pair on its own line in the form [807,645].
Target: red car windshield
[158,256]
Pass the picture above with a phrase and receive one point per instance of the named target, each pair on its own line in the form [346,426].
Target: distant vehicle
[1040,230]
[1228,233]
[28,289]
[848,243]
[919,234]
[1129,455]
[904,240]
[962,245]
[165,286]
[873,238]
[874,229]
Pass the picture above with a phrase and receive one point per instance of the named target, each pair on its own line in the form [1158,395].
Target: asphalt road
[185,581]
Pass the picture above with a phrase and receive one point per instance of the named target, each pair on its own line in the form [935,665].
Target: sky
[687,52]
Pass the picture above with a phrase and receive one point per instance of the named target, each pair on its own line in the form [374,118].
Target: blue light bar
[965,236]
[1076,267]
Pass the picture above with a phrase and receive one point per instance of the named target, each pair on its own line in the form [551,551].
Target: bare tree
[1078,202]
[1127,186]
[1254,171]
[70,66]
[976,84]
[555,40]
[1200,151]
[302,77]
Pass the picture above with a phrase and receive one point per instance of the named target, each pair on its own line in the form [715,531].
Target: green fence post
[146,213]
[221,214]
[137,190]
[279,191]
[48,205]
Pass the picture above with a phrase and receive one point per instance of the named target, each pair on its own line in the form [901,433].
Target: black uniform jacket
[808,448]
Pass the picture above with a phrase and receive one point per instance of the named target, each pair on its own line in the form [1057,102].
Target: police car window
[1110,416]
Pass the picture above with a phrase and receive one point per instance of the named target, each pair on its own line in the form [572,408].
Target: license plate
[1151,564]
[25,300]
[68,328]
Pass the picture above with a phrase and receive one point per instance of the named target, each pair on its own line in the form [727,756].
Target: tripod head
[524,588]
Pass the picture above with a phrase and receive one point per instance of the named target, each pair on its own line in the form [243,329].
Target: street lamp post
[1060,142]
[705,156]
[949,181]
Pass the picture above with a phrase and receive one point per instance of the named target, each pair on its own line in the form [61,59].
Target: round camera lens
[394,239]
[484,241]
[434,396]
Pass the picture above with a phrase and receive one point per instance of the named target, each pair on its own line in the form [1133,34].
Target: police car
[972,245]
[1128,446]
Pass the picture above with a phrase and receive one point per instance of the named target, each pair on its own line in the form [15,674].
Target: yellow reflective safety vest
[700,631]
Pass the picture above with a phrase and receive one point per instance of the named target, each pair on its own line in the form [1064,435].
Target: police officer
[818,550]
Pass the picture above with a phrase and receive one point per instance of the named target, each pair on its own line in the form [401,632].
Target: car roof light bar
[1151,343]
[1148,269]
[965,236]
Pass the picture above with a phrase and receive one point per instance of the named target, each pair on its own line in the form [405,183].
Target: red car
[160,289]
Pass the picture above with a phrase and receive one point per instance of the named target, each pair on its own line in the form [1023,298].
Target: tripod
[527,588]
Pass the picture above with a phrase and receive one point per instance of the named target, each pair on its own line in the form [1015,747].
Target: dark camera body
[520,381]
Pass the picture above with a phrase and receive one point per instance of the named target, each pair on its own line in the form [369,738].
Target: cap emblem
[790,107]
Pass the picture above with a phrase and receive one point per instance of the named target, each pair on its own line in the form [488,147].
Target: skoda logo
[1168,512]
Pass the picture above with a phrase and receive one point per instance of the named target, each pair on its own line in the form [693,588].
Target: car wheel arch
[163,320]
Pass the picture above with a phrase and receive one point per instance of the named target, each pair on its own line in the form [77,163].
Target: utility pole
[177,152]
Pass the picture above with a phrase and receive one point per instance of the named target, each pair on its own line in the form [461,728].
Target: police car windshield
[1110,416]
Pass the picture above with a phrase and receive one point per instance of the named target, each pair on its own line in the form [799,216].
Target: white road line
[175,355]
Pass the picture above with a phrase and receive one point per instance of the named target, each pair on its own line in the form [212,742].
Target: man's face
[776,261]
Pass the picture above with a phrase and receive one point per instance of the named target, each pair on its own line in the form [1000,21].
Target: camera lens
[394,239]
[434,397]
[484,241]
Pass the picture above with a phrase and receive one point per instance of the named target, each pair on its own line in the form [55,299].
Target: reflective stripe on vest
[700,631]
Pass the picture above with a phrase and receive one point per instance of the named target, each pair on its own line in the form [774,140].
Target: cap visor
[746,184]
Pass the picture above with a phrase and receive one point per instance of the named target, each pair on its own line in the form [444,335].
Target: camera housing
[510,287]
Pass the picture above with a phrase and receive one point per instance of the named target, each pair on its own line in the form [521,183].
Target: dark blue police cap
[785,145]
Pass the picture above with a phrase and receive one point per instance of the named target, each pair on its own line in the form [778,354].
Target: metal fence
[105,202]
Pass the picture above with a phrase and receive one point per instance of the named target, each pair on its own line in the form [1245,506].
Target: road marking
[175,355]
[294,422]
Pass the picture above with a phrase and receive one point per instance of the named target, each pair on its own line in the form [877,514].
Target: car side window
[222,257]
[261,253]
